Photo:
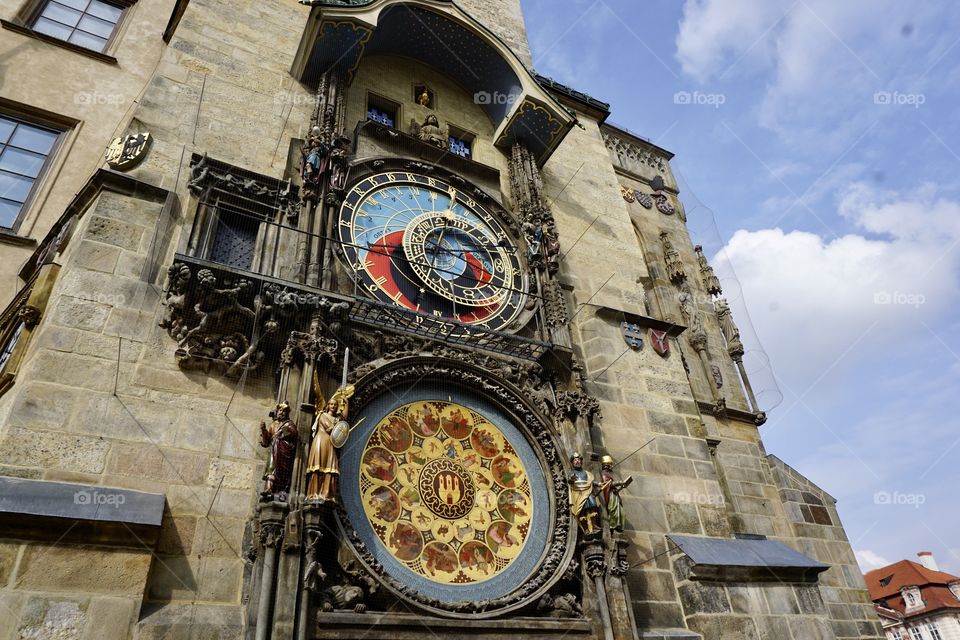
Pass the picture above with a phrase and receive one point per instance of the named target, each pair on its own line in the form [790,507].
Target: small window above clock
[424,96]
[461,142]
[382,110]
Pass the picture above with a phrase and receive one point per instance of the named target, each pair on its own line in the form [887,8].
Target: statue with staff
[330,432]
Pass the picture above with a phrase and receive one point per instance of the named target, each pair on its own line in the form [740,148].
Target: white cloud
[813,299]
[822,60]
[868,560]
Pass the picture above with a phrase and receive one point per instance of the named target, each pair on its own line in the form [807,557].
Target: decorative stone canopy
[441,35]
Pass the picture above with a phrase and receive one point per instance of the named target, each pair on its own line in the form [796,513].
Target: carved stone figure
[339,164]
[551,246]
[281,437]
[610,489]
[323,468]
[710,281]
[316,156]
[727,326]
[674,265]
[583,500]
[564,605]
[351,593]
[534,236]
[431,133]
[687,301]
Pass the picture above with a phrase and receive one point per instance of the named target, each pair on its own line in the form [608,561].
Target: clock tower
[365,329]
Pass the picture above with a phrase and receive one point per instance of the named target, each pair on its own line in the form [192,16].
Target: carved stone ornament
[717,375]
[221,322]
[632,156]
[628,194]
[559,545]
[710,281]
[271,534]
[555,304]
[29,315]
[125,153]
[729,329]
[675,270]
[645,200]
[664,205]
[206,173]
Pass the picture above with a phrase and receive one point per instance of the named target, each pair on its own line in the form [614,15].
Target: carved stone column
[595,566]
[272,517]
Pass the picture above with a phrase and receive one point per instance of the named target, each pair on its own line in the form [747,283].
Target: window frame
[934,630]
[31,11]
[62,128]
[388,102]
[464,135]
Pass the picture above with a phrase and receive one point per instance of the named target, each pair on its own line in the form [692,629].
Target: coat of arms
[125,153]
[632,335]
[660,342]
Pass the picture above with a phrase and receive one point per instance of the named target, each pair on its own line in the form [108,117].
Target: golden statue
[330,431]
[424,98]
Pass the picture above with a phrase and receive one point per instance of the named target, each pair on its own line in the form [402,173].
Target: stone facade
[103,396]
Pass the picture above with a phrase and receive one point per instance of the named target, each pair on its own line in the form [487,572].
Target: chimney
[926,559]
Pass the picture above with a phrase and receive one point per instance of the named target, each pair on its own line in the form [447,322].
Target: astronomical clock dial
[448,495]
[419,243]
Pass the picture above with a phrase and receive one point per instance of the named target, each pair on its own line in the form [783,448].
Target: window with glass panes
[86,23]
[934,630]
[916,633]
[24,149]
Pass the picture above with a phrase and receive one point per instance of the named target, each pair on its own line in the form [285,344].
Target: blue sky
[818,156]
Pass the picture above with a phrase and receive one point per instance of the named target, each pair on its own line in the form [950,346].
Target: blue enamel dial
[420,243]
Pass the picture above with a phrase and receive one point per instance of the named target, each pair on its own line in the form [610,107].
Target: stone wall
[96,96]
[505,19]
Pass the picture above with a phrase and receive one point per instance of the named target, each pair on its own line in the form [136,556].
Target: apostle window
[86,23]
[384,111]
[461,142]
[24,152]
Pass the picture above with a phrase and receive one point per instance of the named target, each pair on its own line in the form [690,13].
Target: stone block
[652,585]
[682,518]
[115,232]
[8,561]
[69,568]
[56,338]
[658,614]
[781,599]
[43,449]
[177,535]
[174,578]
[220,537]
[748,599]
[96,256]
[725,627]
[810,628]
[45,618]
[809,598]
[80,313]
[220,579]
[668,423]
[110,618]
[703,597]
[201,432]
[72,370]
[232,473]
[42,405]
[150,461]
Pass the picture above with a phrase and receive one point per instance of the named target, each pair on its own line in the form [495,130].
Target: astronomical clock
[451,479]
[423,244]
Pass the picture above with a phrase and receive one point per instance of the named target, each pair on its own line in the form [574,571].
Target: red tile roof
[933,586]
